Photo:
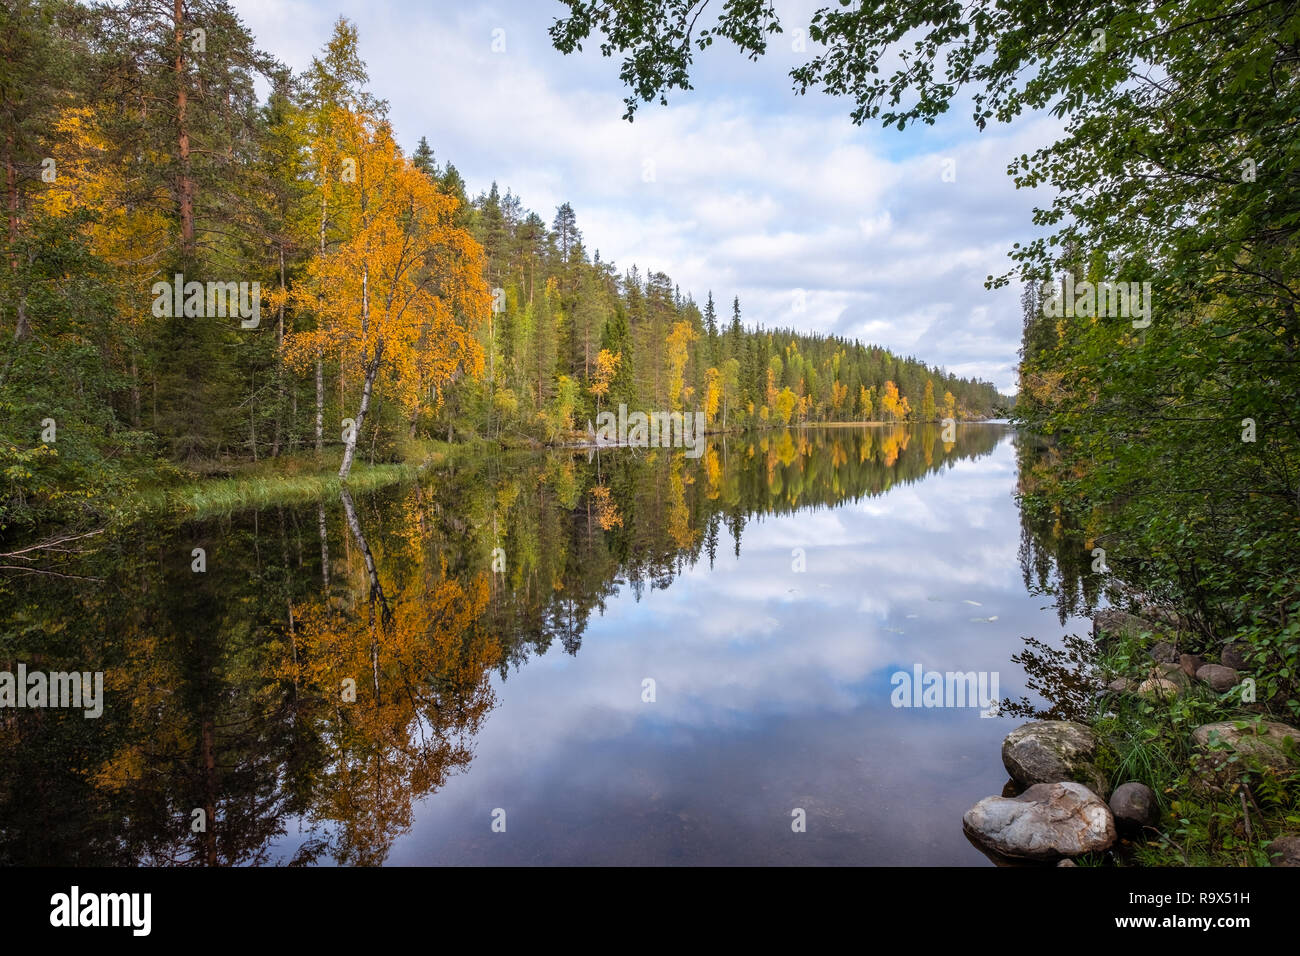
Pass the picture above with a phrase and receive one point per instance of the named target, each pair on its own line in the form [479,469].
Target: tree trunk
[135,391]
[379,612]
[11,184]
[349,450]
[320,368]
[324,548]
[184,180]
[279,366]
[252,417]
[320,404]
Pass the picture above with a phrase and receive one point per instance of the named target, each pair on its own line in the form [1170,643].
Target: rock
[1221,679]
[1134,807]
[1267,747]
[1121,685]
[1234,656]
[1045,823]
[1048,751]
[1113,623]
[1285,850]
[1162,652]
[1190,663]
[1173,672]
[1162,615]
[1011,788]
[1067,862]
[1161,688]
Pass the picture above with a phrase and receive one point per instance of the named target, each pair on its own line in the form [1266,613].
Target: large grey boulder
[1045,823]
[1048,751]
[1163,615]
[1172,672]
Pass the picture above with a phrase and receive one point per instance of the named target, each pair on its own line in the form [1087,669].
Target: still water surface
[500,624]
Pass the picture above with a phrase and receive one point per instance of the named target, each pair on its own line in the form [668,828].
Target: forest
[332,295]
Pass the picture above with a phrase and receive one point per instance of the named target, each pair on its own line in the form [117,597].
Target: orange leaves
[681,336]
[889,400]
[712,394]
[607,514]
[607,363]
[132,236]
[404,290]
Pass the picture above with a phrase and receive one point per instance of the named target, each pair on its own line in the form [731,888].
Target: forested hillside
[210,260]
[577,335]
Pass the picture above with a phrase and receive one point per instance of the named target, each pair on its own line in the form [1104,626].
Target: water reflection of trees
[226,689]
[1055,553]
[1056,560]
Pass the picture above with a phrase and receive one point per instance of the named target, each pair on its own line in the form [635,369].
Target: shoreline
[1176,764]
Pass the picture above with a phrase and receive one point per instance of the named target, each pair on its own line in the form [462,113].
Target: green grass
[216,496]
[1203,823]
[211,489]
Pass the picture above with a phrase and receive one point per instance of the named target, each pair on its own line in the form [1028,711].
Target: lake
[623,657]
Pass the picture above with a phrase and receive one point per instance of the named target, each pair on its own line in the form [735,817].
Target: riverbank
[1174,756]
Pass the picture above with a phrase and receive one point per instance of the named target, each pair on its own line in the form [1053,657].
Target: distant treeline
[575,335]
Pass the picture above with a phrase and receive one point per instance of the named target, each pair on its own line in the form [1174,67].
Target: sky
[739,186]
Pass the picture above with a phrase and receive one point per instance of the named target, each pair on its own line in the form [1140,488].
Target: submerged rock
[1048,751]
[1045,823]
[1134,807]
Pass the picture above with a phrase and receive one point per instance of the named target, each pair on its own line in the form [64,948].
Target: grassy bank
[1223,817]
[215,488]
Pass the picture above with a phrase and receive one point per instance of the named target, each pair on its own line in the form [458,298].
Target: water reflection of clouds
[765,697]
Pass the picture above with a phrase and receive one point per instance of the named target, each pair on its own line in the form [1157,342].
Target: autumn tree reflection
[397,693]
